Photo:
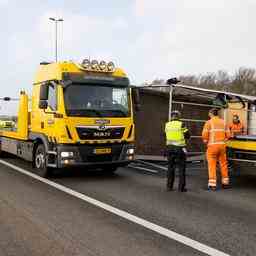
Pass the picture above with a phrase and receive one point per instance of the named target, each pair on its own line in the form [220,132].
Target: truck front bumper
[85,155]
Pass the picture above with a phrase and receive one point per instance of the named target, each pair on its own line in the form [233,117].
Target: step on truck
[78,115]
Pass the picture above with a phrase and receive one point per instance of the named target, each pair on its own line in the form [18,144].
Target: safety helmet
[236,118]
[214,111]
[175,114]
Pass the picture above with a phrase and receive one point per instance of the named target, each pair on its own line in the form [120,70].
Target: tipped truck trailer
[241,149]
[78,115]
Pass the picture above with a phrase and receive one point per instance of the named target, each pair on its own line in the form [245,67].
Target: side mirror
[136,99]
[43,104]
[44,91]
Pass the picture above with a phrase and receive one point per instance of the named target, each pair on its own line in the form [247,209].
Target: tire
[233,169]
[2,153]
[40,165]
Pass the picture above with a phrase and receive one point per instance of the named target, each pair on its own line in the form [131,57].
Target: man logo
[102,128]
[102,121]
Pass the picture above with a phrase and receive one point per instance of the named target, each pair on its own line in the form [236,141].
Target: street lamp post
[56,35]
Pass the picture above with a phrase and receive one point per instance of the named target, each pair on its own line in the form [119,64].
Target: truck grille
[91,133]
[96,159]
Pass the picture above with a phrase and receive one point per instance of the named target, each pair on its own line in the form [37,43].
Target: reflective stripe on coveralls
[236,129]
[215,134]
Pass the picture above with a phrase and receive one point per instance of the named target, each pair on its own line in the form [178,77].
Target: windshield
[96,101]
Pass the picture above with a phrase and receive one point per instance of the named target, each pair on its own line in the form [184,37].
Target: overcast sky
[148,38]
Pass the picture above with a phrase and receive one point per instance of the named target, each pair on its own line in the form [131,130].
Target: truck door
[52,108]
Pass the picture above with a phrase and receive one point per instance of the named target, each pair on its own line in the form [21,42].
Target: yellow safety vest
[175,133]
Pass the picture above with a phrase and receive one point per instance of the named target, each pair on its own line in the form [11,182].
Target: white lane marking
[142,168]
[149,225]
[152,165]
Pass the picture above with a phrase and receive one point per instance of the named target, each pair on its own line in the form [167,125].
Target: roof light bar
[103,65]
[111,66]
[96,66]
[86,63]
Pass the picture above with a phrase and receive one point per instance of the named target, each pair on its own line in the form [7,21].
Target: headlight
[130,151]
[130,157]
[94,64]
[66,154]
[103,65]
[86,63]
[111,66]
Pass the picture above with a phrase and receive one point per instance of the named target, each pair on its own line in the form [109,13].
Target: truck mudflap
[94,155]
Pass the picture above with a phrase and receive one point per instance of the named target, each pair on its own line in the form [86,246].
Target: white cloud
[148,38]
[82,36]
[152,7]
[3,2]
[195,36]
[164,37]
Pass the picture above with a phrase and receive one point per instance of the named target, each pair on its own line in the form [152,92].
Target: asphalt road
[37,219]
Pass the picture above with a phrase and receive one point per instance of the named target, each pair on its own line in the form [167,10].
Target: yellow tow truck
[80,114]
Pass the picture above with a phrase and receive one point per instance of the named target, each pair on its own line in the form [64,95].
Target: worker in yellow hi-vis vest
[176,136]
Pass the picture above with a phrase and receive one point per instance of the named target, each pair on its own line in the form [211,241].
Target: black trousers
[176,158]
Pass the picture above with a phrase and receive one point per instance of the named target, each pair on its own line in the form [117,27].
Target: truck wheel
[40,166]
[1,152]
[230,168]
[233,170]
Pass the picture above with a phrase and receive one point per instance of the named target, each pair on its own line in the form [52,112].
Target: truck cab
[81,114]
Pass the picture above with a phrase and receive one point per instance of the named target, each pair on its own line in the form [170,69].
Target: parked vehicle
[81,115]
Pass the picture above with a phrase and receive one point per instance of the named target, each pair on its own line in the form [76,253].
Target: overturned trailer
[150,121]
[194,103]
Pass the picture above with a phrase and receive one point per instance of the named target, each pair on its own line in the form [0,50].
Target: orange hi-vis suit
[215,135]
[236,129]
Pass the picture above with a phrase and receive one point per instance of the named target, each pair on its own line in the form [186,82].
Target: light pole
[56,35]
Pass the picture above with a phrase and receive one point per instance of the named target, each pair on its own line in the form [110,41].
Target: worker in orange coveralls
[215,135]
[236,128]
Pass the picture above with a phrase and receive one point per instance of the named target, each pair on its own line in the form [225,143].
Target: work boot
[169,189]
[183,190]
[211,188]
[226,186]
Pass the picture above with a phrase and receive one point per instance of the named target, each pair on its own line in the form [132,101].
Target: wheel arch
[38,139]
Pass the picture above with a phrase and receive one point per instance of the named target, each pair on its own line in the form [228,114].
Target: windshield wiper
[83,112]
[119,111]
[94,111]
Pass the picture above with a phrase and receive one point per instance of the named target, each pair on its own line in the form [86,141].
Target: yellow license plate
[101,151]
